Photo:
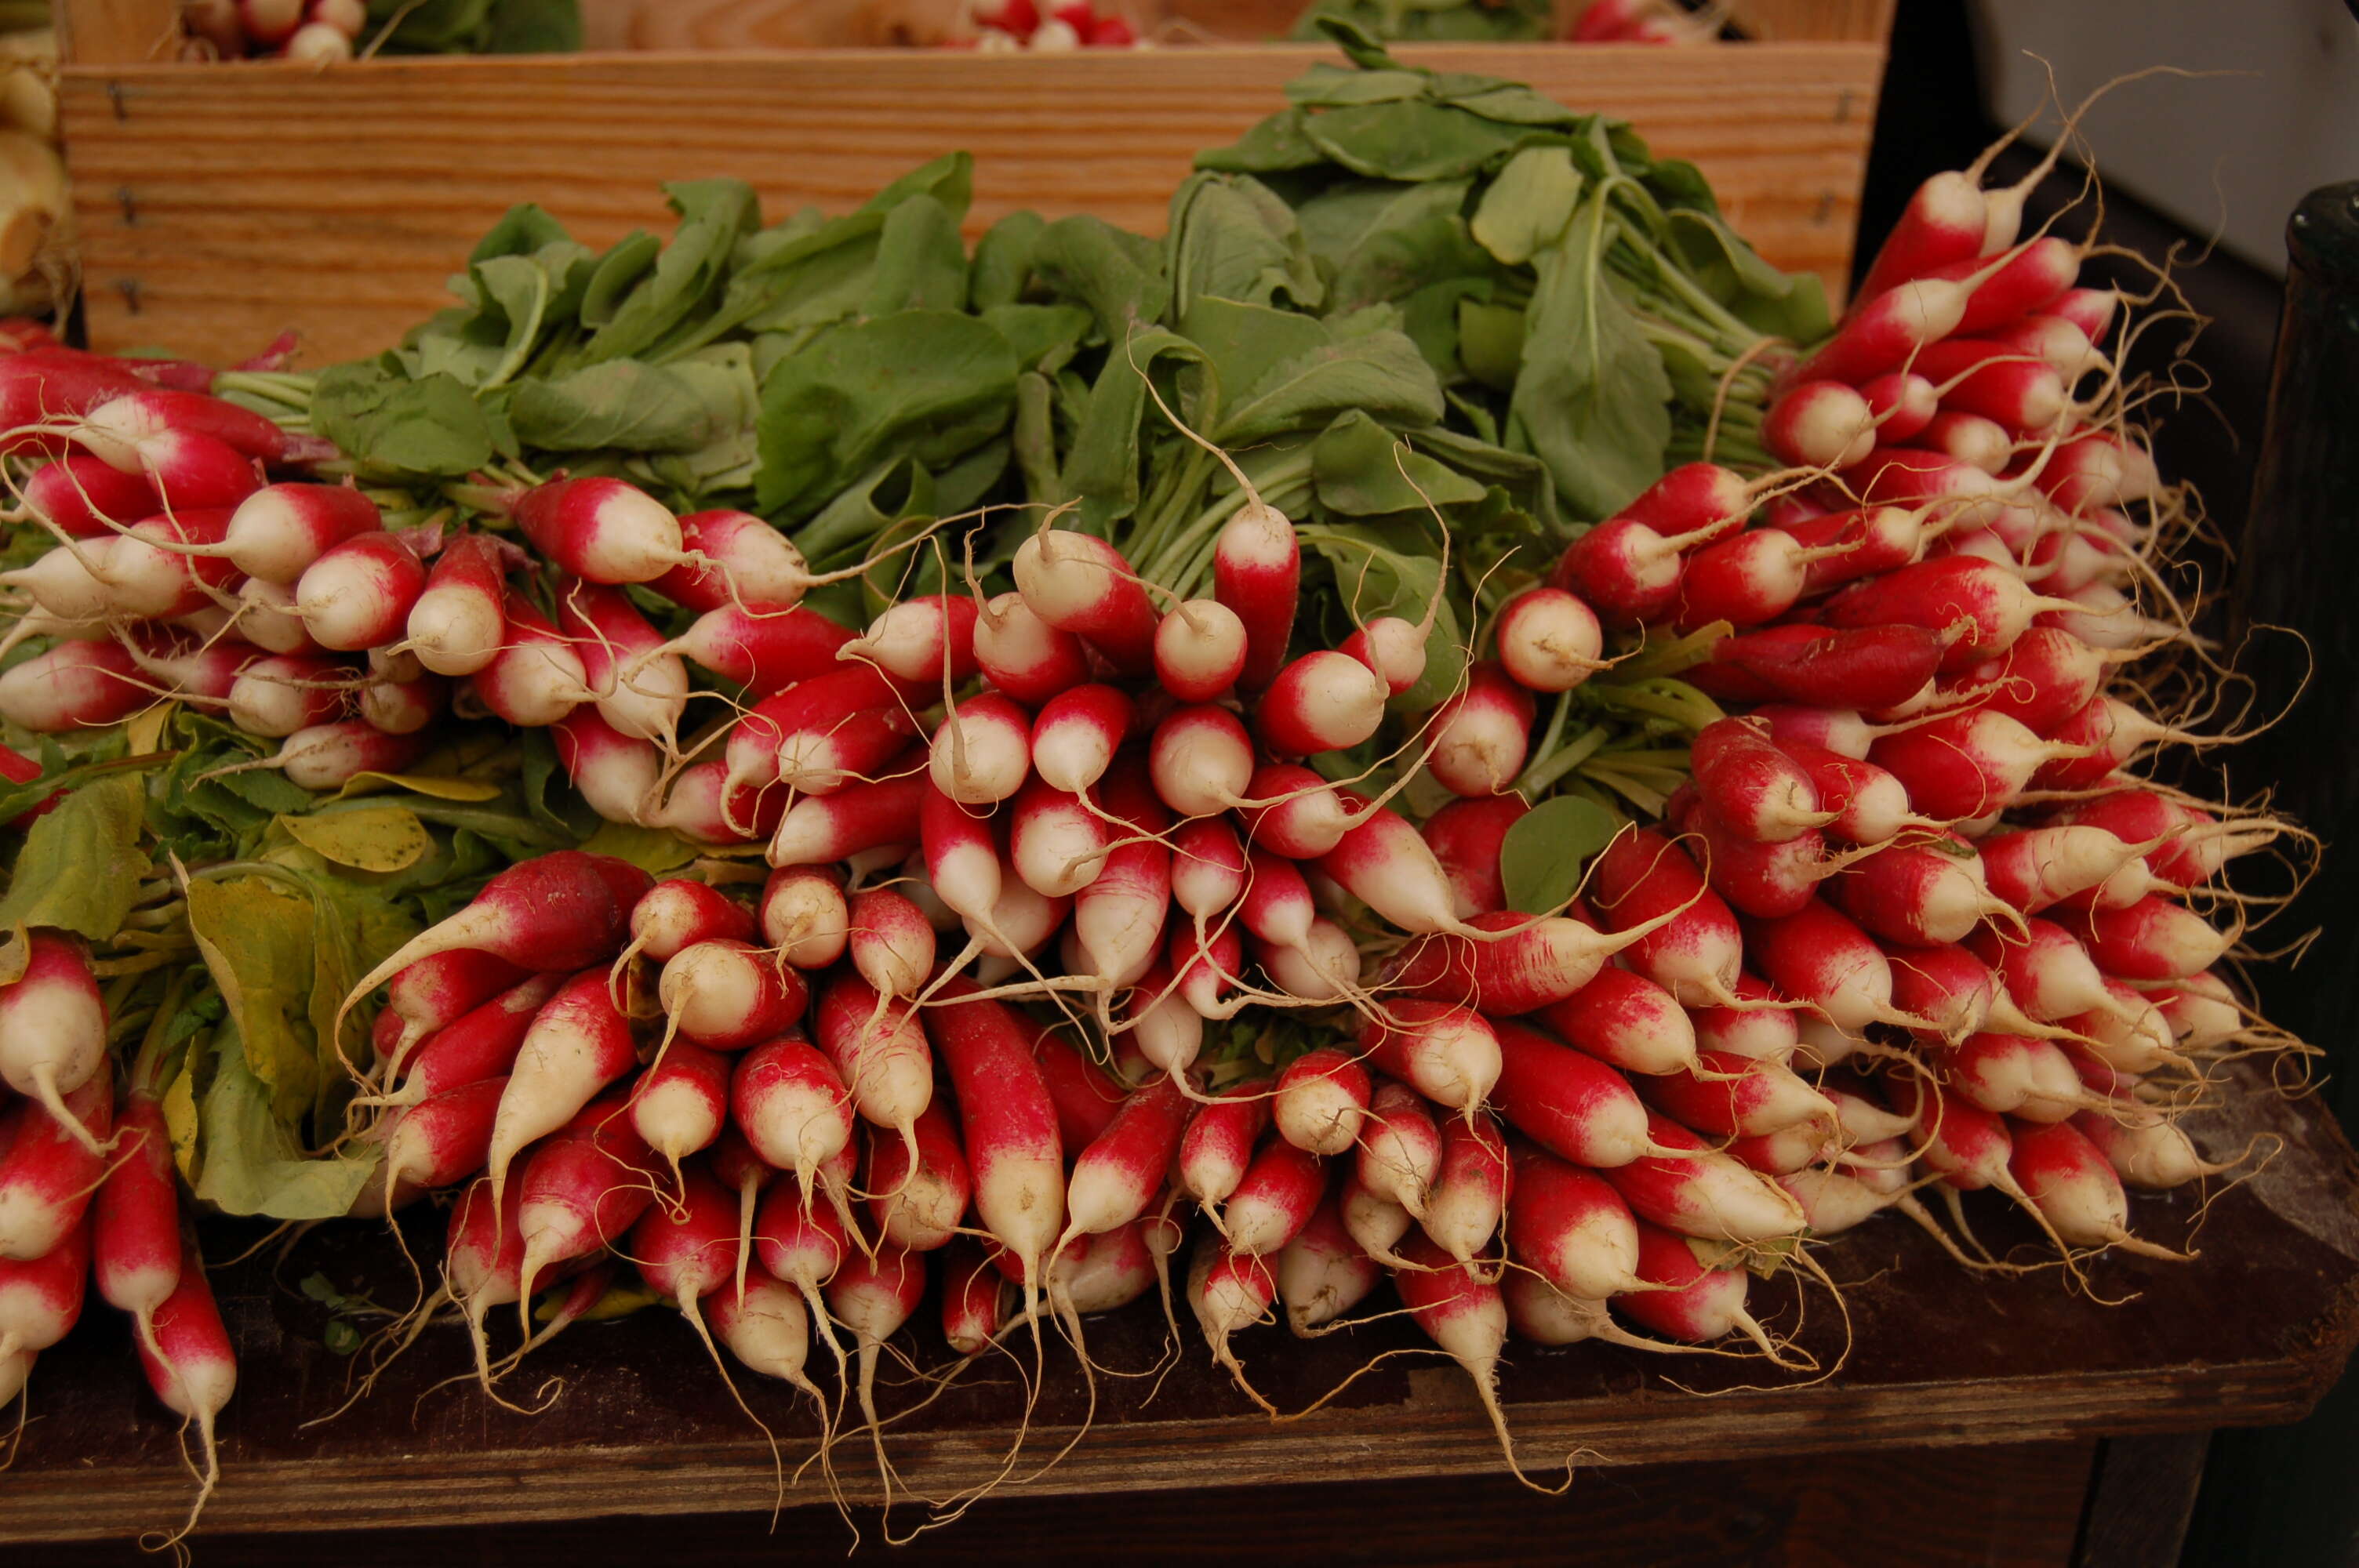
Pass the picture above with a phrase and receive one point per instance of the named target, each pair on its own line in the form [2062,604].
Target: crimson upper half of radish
[756,825]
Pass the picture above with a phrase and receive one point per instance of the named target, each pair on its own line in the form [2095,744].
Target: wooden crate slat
[220,206]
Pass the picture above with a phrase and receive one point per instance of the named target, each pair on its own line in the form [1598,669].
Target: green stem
[1543,776]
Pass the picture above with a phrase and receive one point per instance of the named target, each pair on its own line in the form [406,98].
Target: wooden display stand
[220,204]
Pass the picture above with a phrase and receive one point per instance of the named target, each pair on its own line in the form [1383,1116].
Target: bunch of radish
[1926,825]
[1642,22]
[317,32]
[88,1194]
[1001,25]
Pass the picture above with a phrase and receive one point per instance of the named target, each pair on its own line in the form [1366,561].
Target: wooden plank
[116,32]
[2140,1500]
[1958,1507]
[1923,1356]
[218,207]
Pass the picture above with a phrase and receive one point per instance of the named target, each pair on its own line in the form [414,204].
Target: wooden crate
[221,204]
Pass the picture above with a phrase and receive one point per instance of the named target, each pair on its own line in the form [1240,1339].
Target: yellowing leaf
[352,930]
[180,1121]
[255,937]
[253,1165]
[432,786]
[144,731]
[373,839]
[655,850]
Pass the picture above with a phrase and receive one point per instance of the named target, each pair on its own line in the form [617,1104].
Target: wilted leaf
[372,838]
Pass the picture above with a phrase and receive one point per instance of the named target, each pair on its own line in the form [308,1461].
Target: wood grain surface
[1921,1355]
[1960,1508]
[220,205]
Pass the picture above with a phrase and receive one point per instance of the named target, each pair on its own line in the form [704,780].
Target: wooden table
[2028,1374]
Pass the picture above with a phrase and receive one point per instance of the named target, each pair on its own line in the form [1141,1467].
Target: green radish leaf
[253,1164]
[714,216]
[1416,140]
[685,407]
[79,866]
[1363,469]
[1232,239]
[1281,143]
[1001,266]
[1544,855]
[535,26]
[1526,207]
[1116,274]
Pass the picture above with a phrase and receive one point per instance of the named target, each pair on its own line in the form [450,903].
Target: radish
[1926,893]
[1295,813]
[440,1140]
[823,732]
[1754,1025]
[821,828]
[640,688]
[1988,604]
[480,1044]
[149,574]
[680,1103]
[982,751]
[2034,868]
[1945,223]
[1200,650]
[279,696]
[873,1296]
[74,685]
[1118,918]
[1076,733]
[1469,1196]
[792,1106]
[1870,805]
[1874,540]
[919,1188]
[279,531]
[2075,1190]
[1548,640]
[1256,573]
[891,942]
[1080,584]
[403,707]
[1820,425]
[877,1049]
[1520,965]
[1736,1097]
[41,1298]
[804,917]
[2152,939]
[439,990]
[1057,844]
[1085,1100]
[561,911]
[1888,328]
[617,776]
[2102,735]
[1023,655]
[189,1362]
[1466,838]
[578,1043]
[1322,701]
[1323,1273]
[1321,1101]
[1392,649]
[134,1226]
[2047,971]
[53,1030]
[1750,785]
[581,1191]
[1627,1020]
[73,583]
[84,498]
[49,1173]
[1326,968]
[802,1245]
[1464,1313]
[1746,580]
[330,756]
[974,1308]
[537,678]
[1817,955]
[2145,1150]
[1377,1225]
[733,558]
[1697,1191]
[1571,1226]
[602,530]
[1201,760]
[359,593]
[1277,906]
[1118,1173]
[1229,1291]
[676,912]
[1641,877]
[1482,735]
[1383,862]
[725,994]
[1868,667]
[2014,1075]
[1010,1123]
[1399,1155]
[928,639]
[1218,1146]
[1965,765]
[1573,1106]
[1448,1052]
[1969,438]
[457,625]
